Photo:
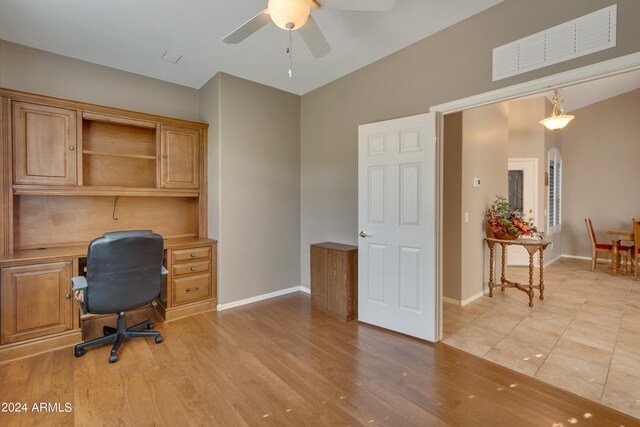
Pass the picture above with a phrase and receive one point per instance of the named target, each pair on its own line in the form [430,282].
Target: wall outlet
[476,182]
[466,217]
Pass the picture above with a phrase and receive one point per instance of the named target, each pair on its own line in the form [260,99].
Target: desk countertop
[79,251]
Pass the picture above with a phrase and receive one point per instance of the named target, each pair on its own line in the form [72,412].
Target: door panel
[396,216]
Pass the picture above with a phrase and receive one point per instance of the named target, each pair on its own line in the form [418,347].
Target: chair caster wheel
[158,339]
[79,352]
[113,358]
[150,325]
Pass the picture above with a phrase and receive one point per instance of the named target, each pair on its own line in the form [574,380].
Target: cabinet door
[44,144]
[36,301]
[180,157]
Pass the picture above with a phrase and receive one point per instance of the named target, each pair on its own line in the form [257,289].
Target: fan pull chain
[290,53]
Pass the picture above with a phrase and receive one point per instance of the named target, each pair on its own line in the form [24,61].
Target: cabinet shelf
[67,190]
[130,156]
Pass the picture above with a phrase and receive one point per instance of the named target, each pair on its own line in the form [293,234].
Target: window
[554,217]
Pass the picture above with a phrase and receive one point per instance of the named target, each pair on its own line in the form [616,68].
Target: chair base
[118,335]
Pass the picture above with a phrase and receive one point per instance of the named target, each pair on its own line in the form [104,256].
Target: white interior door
[396,218]
[523,193]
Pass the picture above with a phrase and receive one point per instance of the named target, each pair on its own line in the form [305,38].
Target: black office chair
[124,272]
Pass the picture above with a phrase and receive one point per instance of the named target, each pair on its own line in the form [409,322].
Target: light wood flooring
[282,363]
[584,337]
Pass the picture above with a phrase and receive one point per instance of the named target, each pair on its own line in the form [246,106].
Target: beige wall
[485,136]
[526,140]
[32,70]
[553,139]
[601,157]
[210,113]
[452,207]
[452,64]
[529,139]
[259,175]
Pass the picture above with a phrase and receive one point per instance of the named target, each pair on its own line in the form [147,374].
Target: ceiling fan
[296,15]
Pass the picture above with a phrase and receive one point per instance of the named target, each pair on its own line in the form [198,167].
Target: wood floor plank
[282,363]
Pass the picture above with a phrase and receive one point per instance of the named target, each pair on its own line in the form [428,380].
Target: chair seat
[604,246]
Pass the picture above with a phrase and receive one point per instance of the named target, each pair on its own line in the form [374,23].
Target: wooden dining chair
[597,248]
[635,249]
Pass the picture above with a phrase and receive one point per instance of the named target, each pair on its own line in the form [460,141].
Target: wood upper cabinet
[180,157]
[36,300]
[44,144]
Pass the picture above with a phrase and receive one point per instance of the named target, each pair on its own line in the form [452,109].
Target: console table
[532,246]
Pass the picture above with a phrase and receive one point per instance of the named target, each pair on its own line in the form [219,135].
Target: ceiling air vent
[581,36]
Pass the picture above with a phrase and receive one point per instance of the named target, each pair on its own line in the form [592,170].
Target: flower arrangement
[507,223]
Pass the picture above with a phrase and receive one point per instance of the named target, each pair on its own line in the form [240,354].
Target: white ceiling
[132,35]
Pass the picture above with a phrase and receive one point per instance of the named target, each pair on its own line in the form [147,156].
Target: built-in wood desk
[71,171]
[38,312]
[532,246]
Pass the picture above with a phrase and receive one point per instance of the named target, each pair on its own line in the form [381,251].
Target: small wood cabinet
[36,300]
[44,144]
[180,168]
[191,284]
[334,279]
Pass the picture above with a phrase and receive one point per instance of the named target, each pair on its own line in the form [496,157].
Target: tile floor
[584,337]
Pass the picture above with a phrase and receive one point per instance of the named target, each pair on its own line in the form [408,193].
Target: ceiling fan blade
[314,39]
[373,5]
[248,28]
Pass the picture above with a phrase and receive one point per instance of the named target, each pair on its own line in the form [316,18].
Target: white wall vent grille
[581,36]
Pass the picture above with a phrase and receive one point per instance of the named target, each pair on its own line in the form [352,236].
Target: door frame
[611,67]
[531,162]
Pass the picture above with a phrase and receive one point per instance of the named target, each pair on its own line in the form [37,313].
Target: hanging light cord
[290,53]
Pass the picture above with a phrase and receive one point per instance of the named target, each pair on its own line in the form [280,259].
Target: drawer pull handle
[192,255]
[193,289]
[67,296]
[193,269]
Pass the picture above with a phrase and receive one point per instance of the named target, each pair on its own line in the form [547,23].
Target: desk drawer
[184,255]
[193,288]
[190,268]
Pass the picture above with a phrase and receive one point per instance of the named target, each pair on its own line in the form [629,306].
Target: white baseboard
[588,258]
[464,301]
[581,257]
[222,307]
[548,263]
[305,290]
[472,298]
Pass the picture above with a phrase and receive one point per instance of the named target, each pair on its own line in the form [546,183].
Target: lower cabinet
[334,279]
[191,285]
[36,300]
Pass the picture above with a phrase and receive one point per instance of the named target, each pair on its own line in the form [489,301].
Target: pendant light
[558,118]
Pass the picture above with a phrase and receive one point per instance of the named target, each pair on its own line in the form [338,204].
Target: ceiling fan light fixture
[289,14]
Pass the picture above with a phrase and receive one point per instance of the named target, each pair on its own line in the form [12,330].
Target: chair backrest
[592,234]
[636,233]
[123,271]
